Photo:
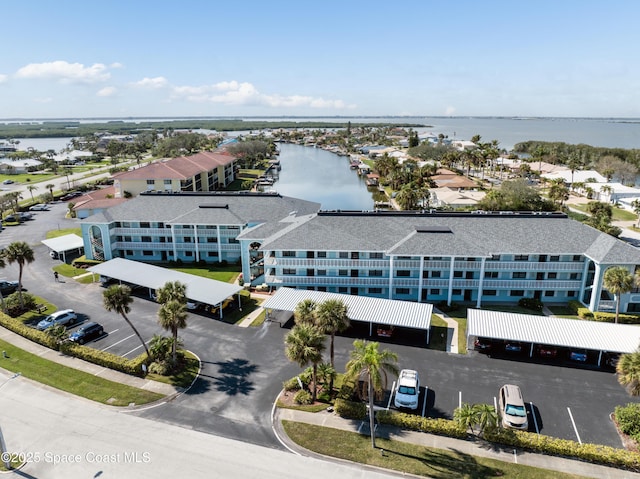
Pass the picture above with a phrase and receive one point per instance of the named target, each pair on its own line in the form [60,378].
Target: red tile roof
[180,168]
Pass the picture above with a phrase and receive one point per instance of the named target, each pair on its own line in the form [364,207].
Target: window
[375,272]
[495,257]
[571,294]
[574,276]
[289,271]
[146,239]
[355,255]
[186,239]
[375,255]
[288,254]
[435,274]
[490,274]
[145,224]
[490,292]
[188,254]
[211,254]
[343,272]
[549,293]
[516,292]
[343,289]
[128,239]
[434,291]
[456,292]
[403,273]
[457,274]
[212,240]
[521,257]
[147,252]
[322,254]
[552,275]
[519,275]
[402,290]
[375,290]
[577,257]
[343,255]
[554,258]
[322,272]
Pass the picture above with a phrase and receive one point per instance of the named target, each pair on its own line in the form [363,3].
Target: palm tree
[326,373]
[172,316]
[2,265]
[367,360]
[331,318]
[172,291]
[304,345]
[117,298]
[31,189]
[305,312]
[618,280]
[21,253]
[50,187]
[467,416]
[628,369]
[635,204]
[486,415]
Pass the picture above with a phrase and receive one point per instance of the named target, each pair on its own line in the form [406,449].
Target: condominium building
[476,258]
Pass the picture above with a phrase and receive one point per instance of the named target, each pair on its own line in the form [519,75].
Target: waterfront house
[476,258]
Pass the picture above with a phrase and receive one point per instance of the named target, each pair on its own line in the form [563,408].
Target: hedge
[593,453]
[101,358]
[584,313]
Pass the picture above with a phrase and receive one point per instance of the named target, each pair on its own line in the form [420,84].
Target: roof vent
[226,207]
[433,229]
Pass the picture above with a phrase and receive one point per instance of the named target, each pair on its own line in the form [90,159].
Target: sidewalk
[473,448]
[452,331]
[96,370]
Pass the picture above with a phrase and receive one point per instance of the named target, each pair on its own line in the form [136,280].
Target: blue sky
[141,58]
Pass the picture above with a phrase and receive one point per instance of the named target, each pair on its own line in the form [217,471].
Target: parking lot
[243,368]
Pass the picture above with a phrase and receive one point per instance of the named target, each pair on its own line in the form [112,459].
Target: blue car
[579,355]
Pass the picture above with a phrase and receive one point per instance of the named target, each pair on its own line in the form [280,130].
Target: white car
[65,317]
[39,207]
[512,410]
[407,390]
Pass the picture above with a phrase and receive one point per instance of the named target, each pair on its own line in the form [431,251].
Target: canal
[314,174]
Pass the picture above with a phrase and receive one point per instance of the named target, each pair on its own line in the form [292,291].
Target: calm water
[314,174]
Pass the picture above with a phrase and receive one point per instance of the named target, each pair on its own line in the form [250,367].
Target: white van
[408,389]
[512,408]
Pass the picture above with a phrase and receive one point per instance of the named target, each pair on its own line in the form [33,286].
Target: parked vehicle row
[544,351]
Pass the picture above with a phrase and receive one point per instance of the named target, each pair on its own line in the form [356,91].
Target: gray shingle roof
[470,235]
[206,209]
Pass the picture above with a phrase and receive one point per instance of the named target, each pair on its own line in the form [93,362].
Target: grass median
[409,458]
[72,380]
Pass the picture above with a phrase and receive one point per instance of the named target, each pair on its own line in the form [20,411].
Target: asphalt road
[244,368]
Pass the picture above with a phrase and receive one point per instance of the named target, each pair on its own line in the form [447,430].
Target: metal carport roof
[390,312]
[555,331]
[204,290]
[64,243]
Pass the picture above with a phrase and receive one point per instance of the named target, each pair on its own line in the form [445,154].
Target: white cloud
[116,65]
[3,78]
[450,111]
[244,93]
[152,83]
[65,72]
[107,91]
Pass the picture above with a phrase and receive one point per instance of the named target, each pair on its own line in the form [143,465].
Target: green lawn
[409,458]
[227,274]
[619,214]
[72,380]
[185,377]
[63,232]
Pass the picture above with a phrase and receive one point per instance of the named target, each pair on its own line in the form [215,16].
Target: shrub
[105,358]
[628,419]
[350,409]
[12,303]
[533,304]
[443,427]
[291,384]
[25,331]
[163,368]
[303,397]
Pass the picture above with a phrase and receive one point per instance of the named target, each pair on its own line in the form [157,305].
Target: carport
[388,312]
[65,243]
[552,331]
[203,290]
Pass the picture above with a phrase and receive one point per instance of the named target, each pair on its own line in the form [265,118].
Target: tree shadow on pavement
[233,377]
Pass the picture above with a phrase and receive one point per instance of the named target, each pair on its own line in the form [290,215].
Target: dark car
[513,347]
[13,219]
[87,333]
[545,351]
[484,345]
[70,196]
[611,359]
[579,355]
[8,287]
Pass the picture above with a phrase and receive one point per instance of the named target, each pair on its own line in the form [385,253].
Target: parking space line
[109,347]
[574,425]
[535,420]
[125,354]
[424,403]
[459,399]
